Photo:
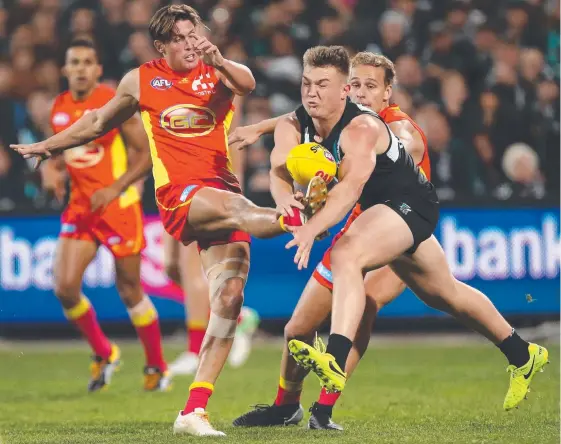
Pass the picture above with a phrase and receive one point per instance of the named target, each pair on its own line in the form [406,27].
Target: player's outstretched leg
[183,266]
[226,267]
[427,273]
[72,259]
[310,312]
[213,210]
[144,317]
[359,249]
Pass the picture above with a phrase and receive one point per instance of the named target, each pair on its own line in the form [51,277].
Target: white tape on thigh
[220,327]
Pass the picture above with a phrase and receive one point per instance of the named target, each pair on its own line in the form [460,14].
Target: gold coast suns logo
[188,120]
[84,156]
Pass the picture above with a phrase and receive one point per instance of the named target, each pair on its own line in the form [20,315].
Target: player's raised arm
[92,125]
[235,76]
[411,139]
[247,135]
[287,136]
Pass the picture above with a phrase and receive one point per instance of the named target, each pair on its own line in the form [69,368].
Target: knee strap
[220,273]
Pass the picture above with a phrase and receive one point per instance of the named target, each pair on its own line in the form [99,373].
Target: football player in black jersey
[400,212]
[327,117]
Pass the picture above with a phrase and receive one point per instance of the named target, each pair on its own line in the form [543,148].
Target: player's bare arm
[361,141]
[92,125]
[235,76]
[140,163]
[411,139]
[287,136]
[247,135]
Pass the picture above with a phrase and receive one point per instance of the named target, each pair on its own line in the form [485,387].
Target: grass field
[402,393]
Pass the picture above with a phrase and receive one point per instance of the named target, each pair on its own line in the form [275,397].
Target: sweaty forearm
[85,130]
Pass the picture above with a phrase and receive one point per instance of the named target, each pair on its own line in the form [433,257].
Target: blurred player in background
[183,266]
[371,81]
[185,99]
[101,212]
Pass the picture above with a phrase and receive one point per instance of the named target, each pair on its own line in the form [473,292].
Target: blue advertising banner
[506,253]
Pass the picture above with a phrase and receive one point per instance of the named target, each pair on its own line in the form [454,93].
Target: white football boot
[195,423]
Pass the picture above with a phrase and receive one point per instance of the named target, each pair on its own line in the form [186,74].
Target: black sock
[515,349]
[322,408]
[339,346]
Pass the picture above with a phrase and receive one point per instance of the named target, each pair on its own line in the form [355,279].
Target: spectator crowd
[481,77]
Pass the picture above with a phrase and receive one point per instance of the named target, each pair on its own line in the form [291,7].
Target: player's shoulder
[61,99]
[104,91]
[365,122]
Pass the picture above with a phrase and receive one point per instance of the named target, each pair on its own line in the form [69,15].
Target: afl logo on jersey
[60,119]
[160,84]
[84,156]
[187,120]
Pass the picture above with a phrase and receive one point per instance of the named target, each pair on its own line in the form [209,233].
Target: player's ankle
[322,408]
[339,347]
[515,349]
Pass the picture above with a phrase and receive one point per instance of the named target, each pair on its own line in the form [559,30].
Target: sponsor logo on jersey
[60,119]
[160,84]
[186,120]
[404,208]
[84,156]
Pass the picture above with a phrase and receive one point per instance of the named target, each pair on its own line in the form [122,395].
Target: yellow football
[308,160]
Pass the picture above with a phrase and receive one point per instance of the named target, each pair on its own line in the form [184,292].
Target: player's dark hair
[84,43]
[322,56]
[377,61]
[162,23]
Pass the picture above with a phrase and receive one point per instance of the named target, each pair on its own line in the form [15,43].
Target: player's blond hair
[377,61]
[322,56]
[163,21]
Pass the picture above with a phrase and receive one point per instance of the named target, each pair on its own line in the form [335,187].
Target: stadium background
[480,77]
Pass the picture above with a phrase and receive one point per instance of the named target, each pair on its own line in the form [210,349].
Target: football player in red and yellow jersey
[102,212]
[371,81]
[185,100]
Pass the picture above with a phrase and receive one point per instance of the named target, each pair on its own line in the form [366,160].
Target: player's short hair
[84,42]
[322,56]
[163,21]
[377,61]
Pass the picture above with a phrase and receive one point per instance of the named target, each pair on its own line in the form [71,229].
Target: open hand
[37,150]
[285,205]
[304,240]
[243,136]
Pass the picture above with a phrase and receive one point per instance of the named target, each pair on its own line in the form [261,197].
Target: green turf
[401,394]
